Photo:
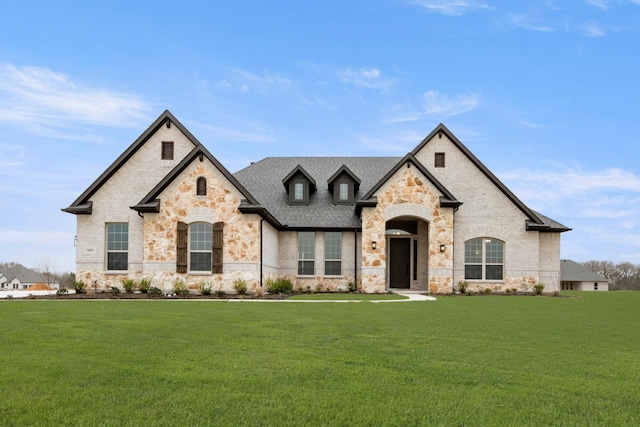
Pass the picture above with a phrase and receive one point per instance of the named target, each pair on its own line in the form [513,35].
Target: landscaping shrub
[155,291]
[115,290]
[220,293]
[463,286]
[205,288]
[144,285]
[61,291]
[240,286]
[538,288]
[179,287]
[129,285]
[352,286]
[79,286]
[279,286]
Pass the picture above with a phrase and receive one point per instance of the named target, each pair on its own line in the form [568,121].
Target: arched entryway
[407,254]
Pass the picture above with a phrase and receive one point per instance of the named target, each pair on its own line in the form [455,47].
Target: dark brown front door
[400,263]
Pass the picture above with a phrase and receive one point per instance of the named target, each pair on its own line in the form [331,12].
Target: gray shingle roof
[23,274]
[571,271]
[263,180]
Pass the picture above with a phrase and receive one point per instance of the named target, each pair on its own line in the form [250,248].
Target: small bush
[144,285]
[61,291]
[155,291]
[179,288]
[129,285]
[115,290]
[240,286]
[220,293]
[352,286]
[279,286]
[538,288]
[463,286]
[205,288]
[79,286]
[487,291]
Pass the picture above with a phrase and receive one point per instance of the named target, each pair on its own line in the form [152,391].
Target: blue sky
[545,93]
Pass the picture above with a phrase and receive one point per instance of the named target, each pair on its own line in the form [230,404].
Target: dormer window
[201,186]
[299,185]
[343,194]
[343,185]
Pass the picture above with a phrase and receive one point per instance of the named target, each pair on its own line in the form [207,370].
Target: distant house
[576,277]
[20,277]
[168,210]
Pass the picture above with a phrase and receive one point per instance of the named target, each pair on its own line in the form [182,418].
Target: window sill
[116,272]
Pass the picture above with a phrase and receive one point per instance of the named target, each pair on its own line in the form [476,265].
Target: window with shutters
[117,246]
[199,247]
[439,160]
[167,150]
[201,186]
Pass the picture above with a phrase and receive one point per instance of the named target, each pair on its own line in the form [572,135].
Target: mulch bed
[138,296]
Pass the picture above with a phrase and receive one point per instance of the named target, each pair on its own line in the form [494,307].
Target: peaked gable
[82,205]
[446,200]
[300,170]
[151,202]
[346,171]
[534,220]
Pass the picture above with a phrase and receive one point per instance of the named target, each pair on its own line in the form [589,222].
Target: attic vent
[439,160]
[167,150]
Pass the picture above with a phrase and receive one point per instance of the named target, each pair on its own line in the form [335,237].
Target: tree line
[624,276]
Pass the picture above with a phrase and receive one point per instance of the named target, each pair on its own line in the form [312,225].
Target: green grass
[347,297]
[472,361]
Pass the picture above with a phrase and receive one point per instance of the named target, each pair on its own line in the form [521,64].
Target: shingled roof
[263,180]
[571,271]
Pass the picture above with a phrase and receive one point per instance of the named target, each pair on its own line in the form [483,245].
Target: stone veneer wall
[408,193]
[179,202]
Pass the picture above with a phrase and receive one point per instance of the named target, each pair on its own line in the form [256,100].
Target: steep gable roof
[299,170]
[534,221]
[346,171]
[82,205]
[446,200]
[151,203]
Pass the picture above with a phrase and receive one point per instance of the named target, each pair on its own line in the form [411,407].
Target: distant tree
[46,266]
[621,276]
[66,280]
[10,264]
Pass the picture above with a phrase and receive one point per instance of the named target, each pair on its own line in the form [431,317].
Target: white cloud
[441,106]
[527,23]
[40,99]
[215,133]
[451,7]
[600,4]
[590,29]
[368,78]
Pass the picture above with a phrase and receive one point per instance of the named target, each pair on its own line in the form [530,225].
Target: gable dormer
[343,185]
[299,185]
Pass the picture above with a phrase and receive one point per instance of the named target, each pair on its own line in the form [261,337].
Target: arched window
[201,186]
[484,259]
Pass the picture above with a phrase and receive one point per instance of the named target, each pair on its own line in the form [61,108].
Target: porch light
[373,245]
[441,248]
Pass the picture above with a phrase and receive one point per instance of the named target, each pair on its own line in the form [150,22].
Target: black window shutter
[181,251]
[216,250]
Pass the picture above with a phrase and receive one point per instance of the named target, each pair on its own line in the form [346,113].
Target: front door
[399,263]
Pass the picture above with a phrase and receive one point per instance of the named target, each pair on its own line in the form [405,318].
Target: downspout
[453,252]
[261,221]
[355,258]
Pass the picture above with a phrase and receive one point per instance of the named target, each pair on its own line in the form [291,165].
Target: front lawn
[456,361]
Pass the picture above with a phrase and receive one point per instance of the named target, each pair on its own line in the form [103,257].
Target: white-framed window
[306,253]
[298,191]
[484,259]
[117,246]
[200,245]
[333,253]
[344,191]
